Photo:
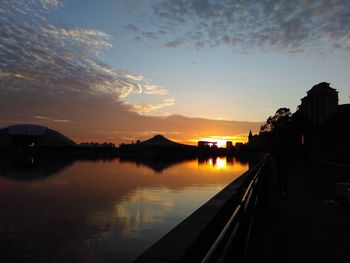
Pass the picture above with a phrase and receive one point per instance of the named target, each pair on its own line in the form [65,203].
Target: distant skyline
[188,69]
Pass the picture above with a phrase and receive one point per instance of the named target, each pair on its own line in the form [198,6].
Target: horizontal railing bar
[243,205]
[229,242]
[221,236]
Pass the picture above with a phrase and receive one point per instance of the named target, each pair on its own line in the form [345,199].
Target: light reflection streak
[143,209]
[146,208]
[108,208]
[222,163]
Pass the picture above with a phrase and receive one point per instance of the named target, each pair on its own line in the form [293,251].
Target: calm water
[100,211]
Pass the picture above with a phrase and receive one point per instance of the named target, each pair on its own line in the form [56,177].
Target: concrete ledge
[190,240]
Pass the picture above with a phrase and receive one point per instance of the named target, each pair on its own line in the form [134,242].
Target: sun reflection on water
[222,163]
[218,163]
[119,208]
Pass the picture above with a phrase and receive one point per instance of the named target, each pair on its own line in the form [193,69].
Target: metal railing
[240,223]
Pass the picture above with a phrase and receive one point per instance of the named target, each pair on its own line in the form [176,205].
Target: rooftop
[321,88]
[27,129]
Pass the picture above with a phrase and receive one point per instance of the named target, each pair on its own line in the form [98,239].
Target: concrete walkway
[301,218]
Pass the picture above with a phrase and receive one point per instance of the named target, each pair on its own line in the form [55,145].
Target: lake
[103,210]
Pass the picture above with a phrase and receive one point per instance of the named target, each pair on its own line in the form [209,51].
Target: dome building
[32,135]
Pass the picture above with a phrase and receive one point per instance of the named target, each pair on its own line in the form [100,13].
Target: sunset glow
[116,77]
[221,140]
[222,164]
[219,163]
[120,119]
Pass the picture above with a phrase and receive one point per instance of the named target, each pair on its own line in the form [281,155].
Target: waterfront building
[229,145]
[207,144]
[250,136]
[24,135]
[320,103]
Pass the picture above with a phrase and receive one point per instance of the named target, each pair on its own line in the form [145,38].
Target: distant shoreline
[95,152]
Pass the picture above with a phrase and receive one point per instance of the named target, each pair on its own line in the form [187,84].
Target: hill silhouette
[160,140]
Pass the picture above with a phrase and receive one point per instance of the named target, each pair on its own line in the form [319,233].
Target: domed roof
[27,133]
[26,129]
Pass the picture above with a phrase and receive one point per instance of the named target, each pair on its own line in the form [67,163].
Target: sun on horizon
[221,140]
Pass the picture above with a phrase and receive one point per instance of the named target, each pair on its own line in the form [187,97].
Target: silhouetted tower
[250,136]
[320,103]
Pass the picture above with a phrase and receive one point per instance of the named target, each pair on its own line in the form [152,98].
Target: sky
[124,70]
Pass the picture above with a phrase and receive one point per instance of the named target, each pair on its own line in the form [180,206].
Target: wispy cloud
[45,63]
[174,43]
[131,28]
[51,119]
[51,3]
[53,75]
[155,90]
[288,26]
[144,108]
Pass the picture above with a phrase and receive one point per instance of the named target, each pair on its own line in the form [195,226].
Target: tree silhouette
[277,122]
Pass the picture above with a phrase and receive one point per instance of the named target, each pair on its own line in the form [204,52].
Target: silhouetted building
[207,144]
[97,145]
[320,103]
[239,145]
[253,139]
[229,145]
[250,136]
[32,135]
[256,142]
[331,140]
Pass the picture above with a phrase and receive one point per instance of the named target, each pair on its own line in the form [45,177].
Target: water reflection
[31,168]
[159,165]
[156,164]
[220,163]
[100,211]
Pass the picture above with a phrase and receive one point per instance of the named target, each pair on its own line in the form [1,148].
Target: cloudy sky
[128,69]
